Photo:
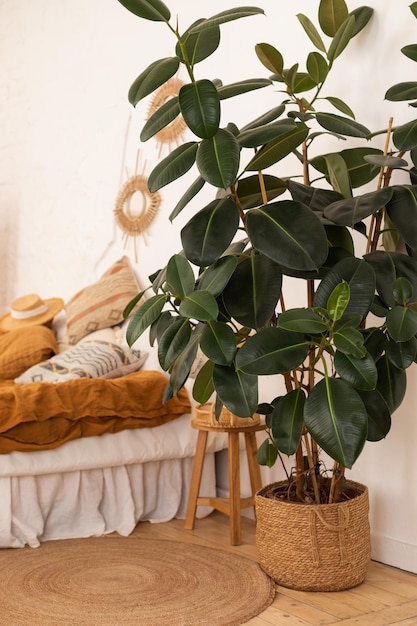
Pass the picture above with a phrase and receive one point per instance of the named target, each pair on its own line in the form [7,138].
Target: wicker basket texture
[204,415]
[324,547]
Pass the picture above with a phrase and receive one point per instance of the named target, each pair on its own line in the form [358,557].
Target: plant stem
[312,467]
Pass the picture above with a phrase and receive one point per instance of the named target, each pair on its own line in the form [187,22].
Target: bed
[81,465]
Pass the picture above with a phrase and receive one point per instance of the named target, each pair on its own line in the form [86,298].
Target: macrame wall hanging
[171,134]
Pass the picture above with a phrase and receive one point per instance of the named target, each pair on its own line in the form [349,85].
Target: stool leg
[254,469]
[234,489]
[196,479]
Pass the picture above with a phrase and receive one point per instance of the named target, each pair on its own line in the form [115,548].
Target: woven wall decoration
[171,134]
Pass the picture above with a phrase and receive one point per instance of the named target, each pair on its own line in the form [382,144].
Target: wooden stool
[234,504]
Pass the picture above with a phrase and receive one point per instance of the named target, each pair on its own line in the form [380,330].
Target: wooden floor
[387,597]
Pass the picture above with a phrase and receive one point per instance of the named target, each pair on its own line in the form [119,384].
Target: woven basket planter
[324,547]
[204,416]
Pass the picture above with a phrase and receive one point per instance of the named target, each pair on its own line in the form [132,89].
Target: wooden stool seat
[233,505]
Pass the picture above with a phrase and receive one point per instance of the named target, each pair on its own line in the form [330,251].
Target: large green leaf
[401,354]
[265,118]
[361,373]
[199,305]
[226,16]
[243,86]
[154,10]
[311,31]
[360,171]
[342,125]
[175,165]
[352,210]
[237,391]
[155,75]
[391,383]
[332,14]
[267,453]
[302,320]
[362,16]
[340,106]
[200,108]
[203,387]
[261,135]
[379,417]
[180,276]
[336,418]
[270,57]
[338,174]
[341,39]
[215,278]
[250,191]
[252,292]
[173,341]
[350,342]
[195,47]
[288,233]
[218,342]
[287,421]
[402,211]
[147,313]
[183,364]
[163,116]
[402,91]
[388,267]
[405,136]
[218,159]
[209,232]
[317,67]
[401,323]
[361,279]
[314,197]
[410,51]
[191,192]
[278,148]
[272,351]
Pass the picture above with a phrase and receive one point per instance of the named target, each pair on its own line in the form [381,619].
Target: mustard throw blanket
[39,416]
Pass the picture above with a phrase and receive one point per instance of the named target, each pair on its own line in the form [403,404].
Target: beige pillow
[101,304]
[88,359]
[22,348]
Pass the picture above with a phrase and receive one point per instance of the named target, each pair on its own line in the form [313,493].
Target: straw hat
[30,310]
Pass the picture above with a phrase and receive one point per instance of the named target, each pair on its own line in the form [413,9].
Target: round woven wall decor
[134,223]
[173,131]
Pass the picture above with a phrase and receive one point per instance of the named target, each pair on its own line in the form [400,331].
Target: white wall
[68,134]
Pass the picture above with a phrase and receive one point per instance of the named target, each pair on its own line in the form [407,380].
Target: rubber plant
[343,355]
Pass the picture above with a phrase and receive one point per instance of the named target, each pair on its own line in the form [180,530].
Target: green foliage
[344,372]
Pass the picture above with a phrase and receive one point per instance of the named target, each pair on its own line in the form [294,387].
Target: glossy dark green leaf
[200,107]
[302,320]
[154,10]
[303,82]
[413,8]
[218,159]
[379,417]
[361,373]
[272,351]
[159,326]
[147,313]
[341,39]
[278,148]
[180,276]
[342,125]
[261,135]
[317,67]
[392,383]
[287,421]
[215,278]
[338,174]
[360,171]
[352,210]
[191,192]
[250,193]
[198,46]
[162,117]
[336,418]
[173,341]
[199,305]
[410,51]
[311,31]
[270,57]
[252,292]
[338,301]
[155,75]
[314,197]
[362,16]
[173,166]
[226,16]
[350,342]
[402,211]
[237,391]
[183,364]
[401,323]
[241,87]
[203,387]
[402,91]
[218,342]
[209,232]
[402,291]
[267,454]
[405,136]
[386,160]
[361,279]
[401,354]
[332,14]
[340,106]
[289,233]
[388,267]
[266,118]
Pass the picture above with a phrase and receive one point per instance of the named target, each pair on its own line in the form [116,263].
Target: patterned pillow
[101,304]
[90,359]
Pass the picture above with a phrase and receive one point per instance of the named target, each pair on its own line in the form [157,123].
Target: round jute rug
[118,581]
